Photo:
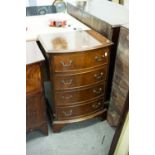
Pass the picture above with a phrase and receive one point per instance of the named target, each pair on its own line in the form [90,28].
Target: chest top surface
[33,53]
[76,41]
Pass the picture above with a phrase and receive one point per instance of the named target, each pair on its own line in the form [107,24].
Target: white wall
[126,3]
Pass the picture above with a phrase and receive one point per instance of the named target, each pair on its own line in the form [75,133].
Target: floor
[91,137]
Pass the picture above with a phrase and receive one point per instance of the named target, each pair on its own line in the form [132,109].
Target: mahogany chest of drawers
[78,63]
[35,101]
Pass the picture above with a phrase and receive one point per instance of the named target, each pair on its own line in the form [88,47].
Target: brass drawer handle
[98,76]
[68,113]
[67,82]
[67,64]
[67,97]
[100,58]
[97,91]
[95,106]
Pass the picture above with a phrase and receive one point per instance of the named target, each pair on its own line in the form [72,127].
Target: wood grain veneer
[35,100]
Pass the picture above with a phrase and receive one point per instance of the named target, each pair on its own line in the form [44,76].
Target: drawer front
[77,111]
[35,111]
[33,78]
[76,96]
[80,80]
[82,60]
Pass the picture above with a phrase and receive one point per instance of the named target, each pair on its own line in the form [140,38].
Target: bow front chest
[78,63]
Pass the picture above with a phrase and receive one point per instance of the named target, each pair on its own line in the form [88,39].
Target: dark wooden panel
[35,101]
[120,80]
[113,53]
[35,111]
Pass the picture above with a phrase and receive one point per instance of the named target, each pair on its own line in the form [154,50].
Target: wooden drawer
[81,60]
[63,81]
[35,111]
[78,111]
[78,95]
[33,78]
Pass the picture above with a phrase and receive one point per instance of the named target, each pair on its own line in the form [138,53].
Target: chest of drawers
[78,63]
[35,101]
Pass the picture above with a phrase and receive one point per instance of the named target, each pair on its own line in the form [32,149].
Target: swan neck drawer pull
[67,97]
[98,76]
[66,64]
[97,91]
[67,82]
[99,58]
[67,113]
[95,106]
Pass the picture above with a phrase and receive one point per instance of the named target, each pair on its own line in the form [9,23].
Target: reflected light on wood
[59,43]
